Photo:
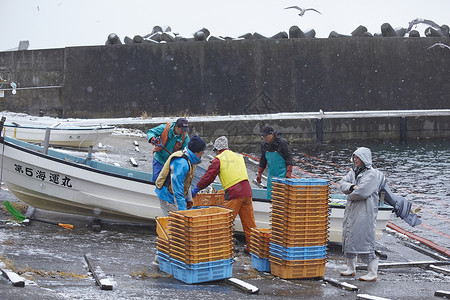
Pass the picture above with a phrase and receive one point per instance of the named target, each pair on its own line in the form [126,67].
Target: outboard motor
[402,207]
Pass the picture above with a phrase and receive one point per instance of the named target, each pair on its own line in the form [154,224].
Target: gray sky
[64,23]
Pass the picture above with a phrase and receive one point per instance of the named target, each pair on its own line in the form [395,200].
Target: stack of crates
[200,244]
[299,221]
[259,248]
[162,245]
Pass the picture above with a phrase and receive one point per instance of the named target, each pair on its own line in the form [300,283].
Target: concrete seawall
[240,78]
[311,128]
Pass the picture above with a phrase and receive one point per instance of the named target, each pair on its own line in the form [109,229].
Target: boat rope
[435,230]
[295,167]
[1,171]
[443,218]
[3,146]
[420,239]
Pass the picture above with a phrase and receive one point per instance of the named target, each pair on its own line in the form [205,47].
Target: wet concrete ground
[52,260]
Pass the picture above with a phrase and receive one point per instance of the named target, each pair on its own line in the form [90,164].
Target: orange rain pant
[244,208]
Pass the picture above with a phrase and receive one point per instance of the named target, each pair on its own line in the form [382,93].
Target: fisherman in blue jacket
[174,181]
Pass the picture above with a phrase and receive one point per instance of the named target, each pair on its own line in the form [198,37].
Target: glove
[152,140]
[194,191]
[258,177]
[189,204]
[288,172]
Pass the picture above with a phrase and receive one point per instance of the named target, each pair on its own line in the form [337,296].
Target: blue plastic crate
[298,250]
[202,272]
[279,180]
[306,181]
[297,253]
[164,262]
[260,263]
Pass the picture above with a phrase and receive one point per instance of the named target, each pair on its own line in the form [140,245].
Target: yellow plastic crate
[298,226]
[217,226]
[306,188]
[202,213]
[209,199]
[300,242]
[297,269]
[300,218]
[224,241]
[190,249]
[298,211]
[261,232]
[301,195]
[201,217]
[163,245]
[161,227]
[188,258]
[200,235]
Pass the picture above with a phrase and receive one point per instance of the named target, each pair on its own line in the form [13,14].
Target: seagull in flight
[302,10]
[424,21]
[441,45]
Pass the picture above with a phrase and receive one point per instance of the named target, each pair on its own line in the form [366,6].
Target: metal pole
[47,140]
[319,130]
[403,129]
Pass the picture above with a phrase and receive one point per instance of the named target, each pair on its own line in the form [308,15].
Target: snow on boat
[57,181]
[67,136]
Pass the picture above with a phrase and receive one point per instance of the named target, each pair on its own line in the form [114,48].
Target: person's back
[174,181]
[232,168]
[232,172]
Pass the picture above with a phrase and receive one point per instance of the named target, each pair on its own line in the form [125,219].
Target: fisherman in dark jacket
[276,153]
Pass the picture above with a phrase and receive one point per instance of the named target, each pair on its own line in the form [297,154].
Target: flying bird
[441,45]
[303,10]
[424,21]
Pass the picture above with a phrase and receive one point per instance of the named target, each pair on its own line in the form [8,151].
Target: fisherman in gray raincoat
[361,184]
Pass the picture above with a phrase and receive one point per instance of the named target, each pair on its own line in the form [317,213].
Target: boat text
[54,178]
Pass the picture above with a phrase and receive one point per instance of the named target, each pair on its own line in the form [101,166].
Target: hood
[192,157]
[277,137]
[365,155]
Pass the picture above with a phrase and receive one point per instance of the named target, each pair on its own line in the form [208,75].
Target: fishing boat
[53,180]
[60,136]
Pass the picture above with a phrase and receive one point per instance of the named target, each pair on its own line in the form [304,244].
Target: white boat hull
[48,183]
[74,137]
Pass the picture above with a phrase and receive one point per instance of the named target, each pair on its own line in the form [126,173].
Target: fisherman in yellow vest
[230,167]
[175,179]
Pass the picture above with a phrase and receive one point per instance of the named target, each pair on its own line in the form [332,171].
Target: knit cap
[196,144]
[220,143]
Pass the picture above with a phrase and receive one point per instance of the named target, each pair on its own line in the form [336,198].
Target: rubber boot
[373,270]
[351,267]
